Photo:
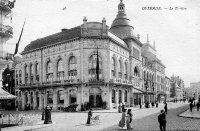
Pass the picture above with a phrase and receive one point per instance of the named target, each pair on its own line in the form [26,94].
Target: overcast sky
[176,32]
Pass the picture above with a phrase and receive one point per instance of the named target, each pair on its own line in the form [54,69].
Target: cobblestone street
[143,119]
[174,122]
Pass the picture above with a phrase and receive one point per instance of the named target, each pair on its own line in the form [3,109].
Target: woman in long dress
[89,117]
[129,119]
[123,119]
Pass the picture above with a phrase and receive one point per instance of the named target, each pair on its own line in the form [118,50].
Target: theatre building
[90,63]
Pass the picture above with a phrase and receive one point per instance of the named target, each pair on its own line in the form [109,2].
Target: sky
[176,32]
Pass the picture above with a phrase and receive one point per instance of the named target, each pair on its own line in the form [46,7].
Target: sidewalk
[39,125]
[77,121]
[193,114]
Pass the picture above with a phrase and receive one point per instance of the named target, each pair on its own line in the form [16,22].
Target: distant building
[177,88]
[193,90]
[167,87]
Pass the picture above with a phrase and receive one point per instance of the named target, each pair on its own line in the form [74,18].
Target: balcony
[93,80]
[6,30]
[4,5]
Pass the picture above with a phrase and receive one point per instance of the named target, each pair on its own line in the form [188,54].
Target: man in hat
[162,120]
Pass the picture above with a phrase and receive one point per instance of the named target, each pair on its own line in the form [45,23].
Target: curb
[29,128]
[187,116]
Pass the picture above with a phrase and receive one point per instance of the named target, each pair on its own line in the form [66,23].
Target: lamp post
[42,91]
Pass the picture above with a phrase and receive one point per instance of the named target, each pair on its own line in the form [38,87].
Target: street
[174,122]
[143,119]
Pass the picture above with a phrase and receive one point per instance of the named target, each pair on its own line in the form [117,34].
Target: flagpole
[17,44]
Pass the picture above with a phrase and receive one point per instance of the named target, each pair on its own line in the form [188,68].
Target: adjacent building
[167,87]
[6,32]
[89,64]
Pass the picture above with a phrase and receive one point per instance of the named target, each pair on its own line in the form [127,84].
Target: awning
[136,90]
[5,95]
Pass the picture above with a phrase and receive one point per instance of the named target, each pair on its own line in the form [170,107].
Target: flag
[97,65]
[17,45]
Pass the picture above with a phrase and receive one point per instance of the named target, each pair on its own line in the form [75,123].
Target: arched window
[113,66]
[93,68]
[37,72]
[20,76]
[72,68]
[60,70]
[126,71]
[31,73]
[136,72]
[120,69]
[49,71]
[26,74]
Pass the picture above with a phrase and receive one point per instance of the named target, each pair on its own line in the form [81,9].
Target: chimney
[138,36]
[104,26]
[64,29]
[85,22]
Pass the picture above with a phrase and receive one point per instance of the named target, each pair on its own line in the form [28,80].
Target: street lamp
[42,92]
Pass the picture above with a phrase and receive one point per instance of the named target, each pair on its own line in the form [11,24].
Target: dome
[121,25]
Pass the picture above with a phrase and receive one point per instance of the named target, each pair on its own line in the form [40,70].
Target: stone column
[34,100]
[109,100]
[40,100]
[123,91]
[29,73]
[66,97]
[29,97]
[55,100]
[116,98]
[43,76]
[54,66]
[23,75]
[23,100]
[34,73]
[78,98]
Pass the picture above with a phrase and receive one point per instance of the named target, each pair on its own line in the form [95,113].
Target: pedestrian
[129,119]
[198,105]
[162,120]
[156,104]
[123,107]
[140,105]
[89,116]
[152,104]
[165,107]
[122,122]
[191,106]
[120,108]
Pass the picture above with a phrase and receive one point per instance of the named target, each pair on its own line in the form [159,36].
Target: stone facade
[88,64]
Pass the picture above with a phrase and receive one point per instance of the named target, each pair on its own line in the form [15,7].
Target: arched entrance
[73,96]
[95,98]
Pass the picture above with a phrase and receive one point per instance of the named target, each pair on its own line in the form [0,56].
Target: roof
[121,25]
[5,95]
[55,38]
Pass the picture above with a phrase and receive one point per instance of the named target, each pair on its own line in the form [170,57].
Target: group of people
[193,104]
[126,119]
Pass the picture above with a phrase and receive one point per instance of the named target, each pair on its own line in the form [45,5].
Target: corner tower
[121,25]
